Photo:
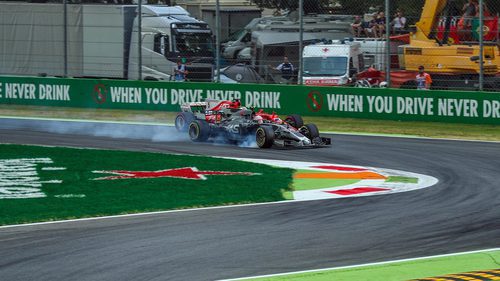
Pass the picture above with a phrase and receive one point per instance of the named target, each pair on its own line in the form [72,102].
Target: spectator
[380,21]
[398,23]
[371,27]
[180,70]
[286,69]
[423,79]
[357,26]
[470,10]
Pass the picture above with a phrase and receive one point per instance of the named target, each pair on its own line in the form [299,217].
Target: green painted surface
[400,271]
[310,184]
[388,104]
[312,171]
[288,195]
[79,195]
[402,179]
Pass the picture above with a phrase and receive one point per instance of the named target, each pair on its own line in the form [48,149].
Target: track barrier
[367,103]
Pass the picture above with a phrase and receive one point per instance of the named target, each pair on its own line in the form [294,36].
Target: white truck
[340,62]
[102,41]
[331,64]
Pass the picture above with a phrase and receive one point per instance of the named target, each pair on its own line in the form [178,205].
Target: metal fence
[362,43]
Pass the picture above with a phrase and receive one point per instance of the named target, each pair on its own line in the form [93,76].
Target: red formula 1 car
[293,120]
[214,111]
[244,126]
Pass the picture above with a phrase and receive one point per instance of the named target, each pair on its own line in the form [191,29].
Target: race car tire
[199,130]
[310,131]
[295,120]
[264,136]
[182,121]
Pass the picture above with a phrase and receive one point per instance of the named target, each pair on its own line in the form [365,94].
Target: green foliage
[359,7]
[310,6]
[411,9]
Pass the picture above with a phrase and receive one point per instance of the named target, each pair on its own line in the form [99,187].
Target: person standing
[423,79]
[180,70]
[470,10]
[286,69]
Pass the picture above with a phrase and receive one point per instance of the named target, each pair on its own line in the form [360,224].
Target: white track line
[365,265]
[177,211]
[403,136]
[432,182]
[150,213]
[171,125]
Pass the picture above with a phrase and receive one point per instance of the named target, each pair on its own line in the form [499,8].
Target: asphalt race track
[460,213]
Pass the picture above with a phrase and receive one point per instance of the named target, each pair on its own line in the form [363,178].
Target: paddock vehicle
[243,126]
[101,41]
[213,111]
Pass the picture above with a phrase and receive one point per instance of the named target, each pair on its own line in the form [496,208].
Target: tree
[310,6]
[411,9]
[358,7]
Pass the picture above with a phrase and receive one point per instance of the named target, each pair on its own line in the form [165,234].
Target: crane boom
[429,18]
[449,59]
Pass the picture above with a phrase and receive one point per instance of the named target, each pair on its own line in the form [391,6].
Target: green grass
[111,197]
[341,125]
[421,129]
[288,195]
[402,179]
[87,113]
[400,271]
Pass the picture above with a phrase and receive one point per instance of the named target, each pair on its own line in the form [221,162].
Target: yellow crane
[445,58]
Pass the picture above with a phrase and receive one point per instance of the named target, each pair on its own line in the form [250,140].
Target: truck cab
[169,34]
[334,64]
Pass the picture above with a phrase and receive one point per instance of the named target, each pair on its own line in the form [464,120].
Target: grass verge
[341,125]
[400,271]
[402,179]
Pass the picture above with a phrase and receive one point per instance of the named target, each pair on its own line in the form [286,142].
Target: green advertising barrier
[388,104]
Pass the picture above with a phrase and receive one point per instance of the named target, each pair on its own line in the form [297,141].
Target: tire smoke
[157,133]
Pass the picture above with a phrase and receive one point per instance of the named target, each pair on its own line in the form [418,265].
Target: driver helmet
[258,118]
[277,120]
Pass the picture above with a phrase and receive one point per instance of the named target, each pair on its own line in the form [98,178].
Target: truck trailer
[102,41]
